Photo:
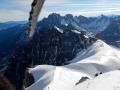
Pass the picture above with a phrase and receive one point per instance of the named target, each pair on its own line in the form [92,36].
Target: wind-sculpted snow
[82,72]
[99,52]
[54,78]
[34,14]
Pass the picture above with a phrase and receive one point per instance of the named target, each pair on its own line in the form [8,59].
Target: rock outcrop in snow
[107,81]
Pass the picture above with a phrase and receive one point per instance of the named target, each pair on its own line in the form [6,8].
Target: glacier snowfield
[96,68]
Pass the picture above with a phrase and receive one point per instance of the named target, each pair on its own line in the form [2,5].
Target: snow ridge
[97,59]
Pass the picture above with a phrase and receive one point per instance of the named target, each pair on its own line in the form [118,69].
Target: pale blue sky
[18,10]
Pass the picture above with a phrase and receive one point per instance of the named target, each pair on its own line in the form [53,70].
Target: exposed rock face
[49,46]
[29,79]
[82,80]
[111,34]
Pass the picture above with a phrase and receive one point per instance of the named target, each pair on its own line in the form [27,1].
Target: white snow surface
[99,57]
[76,31]
[58,29]
[107,81]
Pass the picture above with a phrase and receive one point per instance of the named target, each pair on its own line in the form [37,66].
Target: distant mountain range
[12,32]
[100,26]
[111,34]
[10,37]
[91,24]
[10,24]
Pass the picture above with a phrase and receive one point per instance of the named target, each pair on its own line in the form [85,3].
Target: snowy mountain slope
[99,52]
[99,57]
[107,81]
[48,46]
[55,78]
[10,39]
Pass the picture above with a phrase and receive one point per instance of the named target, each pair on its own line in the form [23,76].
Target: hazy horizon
[56,13]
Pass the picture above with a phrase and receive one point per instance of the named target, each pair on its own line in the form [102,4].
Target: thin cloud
[22,2]
[87,4]
[46,2]
[57,1]
[11,15]
[75,7]
[105,10]
[94,12]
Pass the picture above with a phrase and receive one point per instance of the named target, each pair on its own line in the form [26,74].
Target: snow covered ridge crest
[98,52]
[92,69]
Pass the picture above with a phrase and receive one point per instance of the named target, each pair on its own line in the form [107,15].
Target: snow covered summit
[81,72]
